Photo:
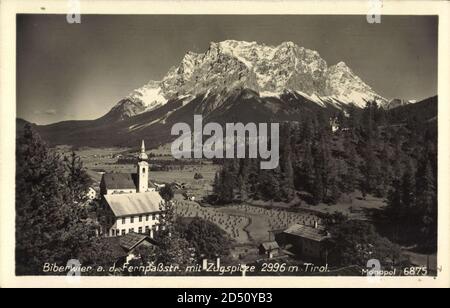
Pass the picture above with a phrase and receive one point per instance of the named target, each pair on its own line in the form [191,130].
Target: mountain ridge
[243,106]
[266,69]
[232,81]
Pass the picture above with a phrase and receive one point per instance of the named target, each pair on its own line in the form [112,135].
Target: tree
[426,200]
[167,193]
[217,184]
[370,169]
[408,188]
[198,176]
[207,238]
[304,175]
[395,209]
[353,118]
[51,226]
[355,242]
[342,120]
[287,177]
[350,178]
[227,180]
[318,188]
[78,180]
[172,248]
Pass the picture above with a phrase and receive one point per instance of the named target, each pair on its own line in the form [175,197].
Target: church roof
[120,180]
[134,204]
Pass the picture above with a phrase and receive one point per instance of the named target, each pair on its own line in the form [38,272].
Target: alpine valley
[232,81]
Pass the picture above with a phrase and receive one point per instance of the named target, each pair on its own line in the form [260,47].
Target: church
[130,204]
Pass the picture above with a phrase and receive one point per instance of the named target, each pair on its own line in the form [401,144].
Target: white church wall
[135,224]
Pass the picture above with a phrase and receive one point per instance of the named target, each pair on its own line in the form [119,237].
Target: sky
[80,71]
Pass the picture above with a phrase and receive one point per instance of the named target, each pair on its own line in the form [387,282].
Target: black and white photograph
[226,145]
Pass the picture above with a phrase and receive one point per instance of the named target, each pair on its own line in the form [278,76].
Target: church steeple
[143,155]
[143,169]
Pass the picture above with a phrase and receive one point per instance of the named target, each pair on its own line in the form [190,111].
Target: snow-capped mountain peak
[265,69]
[150,96]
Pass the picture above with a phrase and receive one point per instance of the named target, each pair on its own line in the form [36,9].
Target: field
[98,161]
[352,205]
[233,224]
[244,223]
[196,188]
[263,220]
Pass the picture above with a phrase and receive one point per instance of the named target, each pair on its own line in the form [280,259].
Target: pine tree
[370,169]
[217,184]
[287,176]
[167,193]
[172,248]
[51,226]
[78,179]
[351,156]
[318,189]
[353,118]
[342,120]
[408,188]
[225,182]
[427,203]
[395,210]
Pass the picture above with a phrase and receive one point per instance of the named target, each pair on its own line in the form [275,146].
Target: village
[130,209]
[237,147]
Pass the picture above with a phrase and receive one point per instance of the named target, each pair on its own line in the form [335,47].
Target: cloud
[50,112]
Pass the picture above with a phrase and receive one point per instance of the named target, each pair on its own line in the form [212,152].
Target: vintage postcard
[224,144]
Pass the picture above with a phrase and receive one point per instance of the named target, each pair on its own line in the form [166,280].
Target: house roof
[131,240]
[114,245]
[270,246]
[134,203]
[315,234]
[121,246]
[122,181]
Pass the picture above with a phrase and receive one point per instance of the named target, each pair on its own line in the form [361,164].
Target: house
[189,197]
[159,186]
[129,205]
[132,241]
[269,249]
[178,186]
[334,124]
[91,193]
[307,242]
[125,248]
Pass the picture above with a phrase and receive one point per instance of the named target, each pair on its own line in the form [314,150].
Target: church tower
[143,170]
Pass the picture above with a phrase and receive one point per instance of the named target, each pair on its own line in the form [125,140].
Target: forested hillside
[390,154]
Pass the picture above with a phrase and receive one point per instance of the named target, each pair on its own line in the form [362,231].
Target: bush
[207,238]
[198,176]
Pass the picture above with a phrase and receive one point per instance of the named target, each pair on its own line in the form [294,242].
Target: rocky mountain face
[267,70]
[230,82]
